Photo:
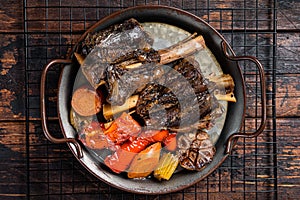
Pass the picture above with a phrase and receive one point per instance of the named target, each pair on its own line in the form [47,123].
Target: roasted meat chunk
[180,98]
[122,83]
[109,45]
[136,69]
[119,49]
[130,33]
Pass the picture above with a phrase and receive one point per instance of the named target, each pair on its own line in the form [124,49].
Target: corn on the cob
[166,166]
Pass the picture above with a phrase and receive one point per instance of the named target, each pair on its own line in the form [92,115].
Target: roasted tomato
[121,159]
[170,142]
[123,128]
[93,137]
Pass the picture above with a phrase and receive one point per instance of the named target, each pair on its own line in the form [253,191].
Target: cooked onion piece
[145,162]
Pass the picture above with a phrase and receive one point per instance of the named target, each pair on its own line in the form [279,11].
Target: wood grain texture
[288,158]
[12,80]
[11,16]
[288,53]
[288,95]
[288,15]
[13,160]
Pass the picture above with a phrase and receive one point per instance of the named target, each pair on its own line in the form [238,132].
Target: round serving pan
[235,112]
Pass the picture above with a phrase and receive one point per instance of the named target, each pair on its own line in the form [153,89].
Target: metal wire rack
[51,28]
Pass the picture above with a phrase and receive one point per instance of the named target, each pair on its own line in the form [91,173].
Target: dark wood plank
[13,160]
[12,79]
[288,95]
[288,52]
[11,16]
[288,158]
[288,15]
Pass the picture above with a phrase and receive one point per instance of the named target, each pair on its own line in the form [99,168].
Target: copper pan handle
[43,109]
[231,140]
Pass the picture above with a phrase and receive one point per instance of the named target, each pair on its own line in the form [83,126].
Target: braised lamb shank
[124,48]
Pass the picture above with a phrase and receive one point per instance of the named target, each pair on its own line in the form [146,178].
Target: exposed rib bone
[222,81]
[79,58]
[182,50]
[109,111]
[225,97]
[164,56]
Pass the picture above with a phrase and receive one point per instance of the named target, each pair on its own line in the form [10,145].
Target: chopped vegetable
[121,159]
[166,166]
[93,137]
[170,142]
[155,135]
[144,163]
[86,102]
[123,128]
[196,150]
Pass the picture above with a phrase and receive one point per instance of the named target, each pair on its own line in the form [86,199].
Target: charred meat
[109,56]
[144,66]
[130,32]
[109,45]
[158,106]
[179,99]
[122,83]
[169,104]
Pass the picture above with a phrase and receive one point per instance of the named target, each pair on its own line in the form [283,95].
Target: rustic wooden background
[32,32]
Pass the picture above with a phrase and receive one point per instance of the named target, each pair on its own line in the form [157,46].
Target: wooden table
[34,32]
